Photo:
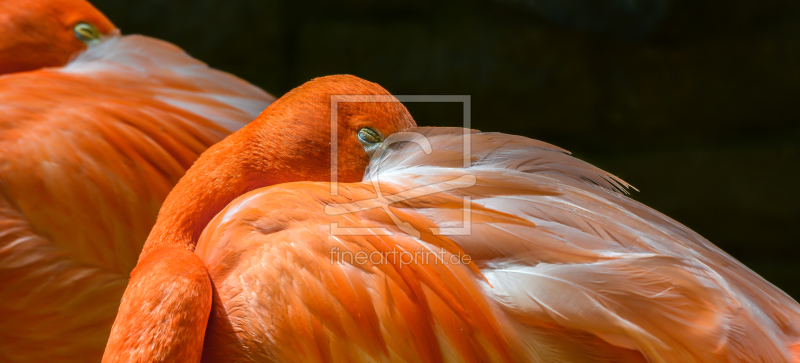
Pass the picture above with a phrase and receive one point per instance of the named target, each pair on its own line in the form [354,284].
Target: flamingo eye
[369,137]
[86,33]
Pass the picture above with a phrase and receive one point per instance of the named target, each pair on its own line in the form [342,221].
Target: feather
[562,267]
[87,154]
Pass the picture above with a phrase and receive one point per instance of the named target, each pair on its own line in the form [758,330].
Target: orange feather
[88,152]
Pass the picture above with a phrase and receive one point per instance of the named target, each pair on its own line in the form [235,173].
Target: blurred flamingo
[95,129]
[525,254]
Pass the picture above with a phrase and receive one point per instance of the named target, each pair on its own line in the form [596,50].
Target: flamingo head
[298,128]
[289,142]
[47,33]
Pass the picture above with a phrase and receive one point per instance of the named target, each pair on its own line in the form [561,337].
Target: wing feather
[563,266]
[87,154]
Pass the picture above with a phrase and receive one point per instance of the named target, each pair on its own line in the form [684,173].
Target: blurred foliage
[692,101]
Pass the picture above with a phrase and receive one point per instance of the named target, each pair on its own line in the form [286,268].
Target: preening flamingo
[525,255]
[89,149]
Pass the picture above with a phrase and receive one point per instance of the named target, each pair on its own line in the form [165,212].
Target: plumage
[88,152]
[36,34]
[567,268]
[526,255]
[289,141]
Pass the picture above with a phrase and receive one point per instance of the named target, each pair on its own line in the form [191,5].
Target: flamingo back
[87,154]
[556,264]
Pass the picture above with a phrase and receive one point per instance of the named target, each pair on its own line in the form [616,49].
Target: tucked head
[47,33]
[289,142]
[365,113]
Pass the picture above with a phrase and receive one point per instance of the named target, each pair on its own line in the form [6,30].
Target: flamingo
[95,129]
[512,251]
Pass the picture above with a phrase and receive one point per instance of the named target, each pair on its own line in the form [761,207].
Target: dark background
[694,102]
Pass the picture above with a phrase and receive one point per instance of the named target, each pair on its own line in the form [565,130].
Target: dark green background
[694,102]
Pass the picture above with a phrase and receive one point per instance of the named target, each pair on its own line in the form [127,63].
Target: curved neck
[221,174]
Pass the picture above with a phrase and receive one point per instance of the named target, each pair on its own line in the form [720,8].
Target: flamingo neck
[224,172]
[170,283]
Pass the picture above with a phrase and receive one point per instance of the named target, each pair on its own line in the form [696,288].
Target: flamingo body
[563,268]
[88,152]
[526,254]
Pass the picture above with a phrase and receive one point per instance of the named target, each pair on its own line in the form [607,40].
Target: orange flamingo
[91,141]
[524,255]
[47,33]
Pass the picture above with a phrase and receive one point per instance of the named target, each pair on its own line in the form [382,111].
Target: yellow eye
[371,139]
[369,136]
[87,33]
